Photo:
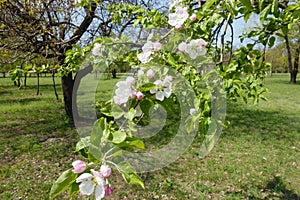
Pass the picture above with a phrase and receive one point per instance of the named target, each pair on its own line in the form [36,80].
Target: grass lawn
[257,156]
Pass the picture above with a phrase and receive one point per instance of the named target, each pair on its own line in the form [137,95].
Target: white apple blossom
[150,73]
[182,46]
[163,88]
[194,48]
[151,46]
[92,183]
[140,73]
[174,3]
[96,51]
[148,48]
[178,18]
[192,111]
[123,91]
[144,57]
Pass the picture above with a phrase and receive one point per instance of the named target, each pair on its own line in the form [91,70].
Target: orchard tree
[50,28]
[170,71]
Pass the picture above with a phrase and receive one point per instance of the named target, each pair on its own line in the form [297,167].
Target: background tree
[50,28]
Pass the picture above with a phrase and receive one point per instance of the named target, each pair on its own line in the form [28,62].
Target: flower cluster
[127,89]
[178,18]
[94,182]
[148,49]
[194,48]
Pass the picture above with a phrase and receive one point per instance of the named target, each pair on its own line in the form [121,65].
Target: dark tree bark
[54,84]
[114,73]
[290,61]
[38,83]
[296,63]
[67,88]
[25,80]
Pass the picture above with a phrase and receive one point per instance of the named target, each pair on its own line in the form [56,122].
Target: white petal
[160,96]
[167,92]
[153,91]
[86,187]
[99,192]
[84,177]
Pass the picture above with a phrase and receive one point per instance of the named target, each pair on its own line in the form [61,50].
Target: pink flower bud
[192,111]
[105,171]
[79,166]
[139,95]
[193,17]
[150,73]
[133,95]
[108,190]
[178,27]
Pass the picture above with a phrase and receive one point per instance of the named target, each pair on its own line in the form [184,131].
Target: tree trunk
[54,85]
[290,61]
[38,84]
[114,73]
[25,80]
[296,63]
[67,88]
[4,74]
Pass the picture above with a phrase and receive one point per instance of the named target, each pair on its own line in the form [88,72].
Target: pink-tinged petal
[130,80]
[79,166]
[150,73]
[105,171]
[156,46]
[178,27]
[192,111]
[182,46]
[108,190]
[140,73]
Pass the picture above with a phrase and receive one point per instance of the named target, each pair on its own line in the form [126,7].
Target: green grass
[257,156]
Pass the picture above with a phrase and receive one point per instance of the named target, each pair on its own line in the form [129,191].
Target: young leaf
[118,137]
[62,183]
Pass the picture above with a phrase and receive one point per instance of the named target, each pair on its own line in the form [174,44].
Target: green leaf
[62,183]
[247,4]
[271,41]
[147,87]
[130,114]
[119,137]
[82,143]
[264,13]
[137,143]
[208,4]
[73,189]
[274,8]
[130,175]
[145,106]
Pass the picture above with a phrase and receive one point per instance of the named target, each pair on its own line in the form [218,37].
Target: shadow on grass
[274,189]
[263,124]
[277,186]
